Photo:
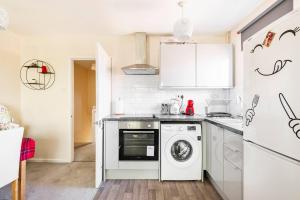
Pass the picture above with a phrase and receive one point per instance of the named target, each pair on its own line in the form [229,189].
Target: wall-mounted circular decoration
[37,75]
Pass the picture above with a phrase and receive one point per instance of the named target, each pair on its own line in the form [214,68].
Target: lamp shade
[4,20]
[183,29]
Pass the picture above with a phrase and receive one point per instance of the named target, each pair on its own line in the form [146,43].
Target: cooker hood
[140,67]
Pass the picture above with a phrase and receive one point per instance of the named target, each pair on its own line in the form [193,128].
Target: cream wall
[47,114]
[9,72]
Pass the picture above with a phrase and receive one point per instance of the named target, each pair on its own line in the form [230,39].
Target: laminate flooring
[155,190]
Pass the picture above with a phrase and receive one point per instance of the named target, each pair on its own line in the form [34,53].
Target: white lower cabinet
[208,146]
[111,144]
[232,181]
[217,155]
[224,150]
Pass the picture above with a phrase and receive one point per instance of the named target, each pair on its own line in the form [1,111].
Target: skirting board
[131,174]
[48,160]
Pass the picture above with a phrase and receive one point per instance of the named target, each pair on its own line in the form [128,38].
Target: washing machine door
[182,150]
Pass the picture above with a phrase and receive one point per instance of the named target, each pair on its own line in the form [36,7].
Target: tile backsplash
[142,95]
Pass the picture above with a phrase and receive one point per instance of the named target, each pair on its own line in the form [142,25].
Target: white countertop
[235,123]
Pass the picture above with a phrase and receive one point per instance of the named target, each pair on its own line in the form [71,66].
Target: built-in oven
[138,140]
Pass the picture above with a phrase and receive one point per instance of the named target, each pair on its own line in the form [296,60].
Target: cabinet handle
[141,132]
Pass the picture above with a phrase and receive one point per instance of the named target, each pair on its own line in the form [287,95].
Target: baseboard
[49,160]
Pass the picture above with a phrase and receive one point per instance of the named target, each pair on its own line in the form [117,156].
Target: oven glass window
[181,150]
[138,144]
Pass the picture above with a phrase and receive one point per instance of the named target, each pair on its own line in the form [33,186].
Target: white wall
[296,4]
[9,72]
[46,114]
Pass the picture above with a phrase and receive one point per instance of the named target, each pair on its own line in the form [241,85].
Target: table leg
[15,190]
[22,180]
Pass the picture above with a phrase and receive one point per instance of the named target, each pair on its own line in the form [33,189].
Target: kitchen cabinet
[214,66]
[217,155]
[196,65]
[224,158]
[232,181]
[178,65]
[208,146]
[233,159]
[111,144]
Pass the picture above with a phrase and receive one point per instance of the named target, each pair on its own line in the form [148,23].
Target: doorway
[84,110]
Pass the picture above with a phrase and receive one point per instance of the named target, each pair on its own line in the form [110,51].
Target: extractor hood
[140,67]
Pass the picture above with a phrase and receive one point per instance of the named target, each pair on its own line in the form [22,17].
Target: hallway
[58,182]
[85,152]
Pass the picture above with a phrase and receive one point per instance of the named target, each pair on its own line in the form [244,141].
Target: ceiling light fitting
[183,27]
[4,20]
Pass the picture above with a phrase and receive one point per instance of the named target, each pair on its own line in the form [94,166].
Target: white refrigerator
[272,112]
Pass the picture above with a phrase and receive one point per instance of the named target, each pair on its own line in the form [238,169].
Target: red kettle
[190,108]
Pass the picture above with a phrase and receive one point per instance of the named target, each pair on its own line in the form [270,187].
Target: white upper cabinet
[196,65]
[214,66]
[178,65]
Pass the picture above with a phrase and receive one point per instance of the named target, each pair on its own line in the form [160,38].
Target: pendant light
[4,20]
[183,27]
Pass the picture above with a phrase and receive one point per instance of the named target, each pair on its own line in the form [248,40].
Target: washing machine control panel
[188,128]
[191,128]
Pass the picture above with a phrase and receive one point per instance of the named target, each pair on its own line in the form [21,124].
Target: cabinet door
[232,181]
[111,147]
[217,155]
[214,66]
[178,65]
[208,147]
[233,148]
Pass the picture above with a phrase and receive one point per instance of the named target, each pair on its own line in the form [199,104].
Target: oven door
[138,144]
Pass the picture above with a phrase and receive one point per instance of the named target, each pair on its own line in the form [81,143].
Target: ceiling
[34,17]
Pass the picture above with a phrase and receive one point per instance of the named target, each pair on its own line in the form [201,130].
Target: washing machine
[181,151]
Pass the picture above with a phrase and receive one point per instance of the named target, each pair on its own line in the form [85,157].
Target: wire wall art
[37,75]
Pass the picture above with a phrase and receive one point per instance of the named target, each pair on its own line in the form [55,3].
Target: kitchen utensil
[218,114]
[175,107]
[119,107]
[165,109]
[190,108]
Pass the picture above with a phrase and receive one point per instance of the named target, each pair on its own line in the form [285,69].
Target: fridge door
[273,74]
[268,175]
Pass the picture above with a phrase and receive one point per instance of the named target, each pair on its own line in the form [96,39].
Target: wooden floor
[155,190]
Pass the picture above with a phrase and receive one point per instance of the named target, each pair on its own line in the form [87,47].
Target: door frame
[71,101]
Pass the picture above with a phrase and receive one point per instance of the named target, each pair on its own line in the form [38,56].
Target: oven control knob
[128,126]
[149,125]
